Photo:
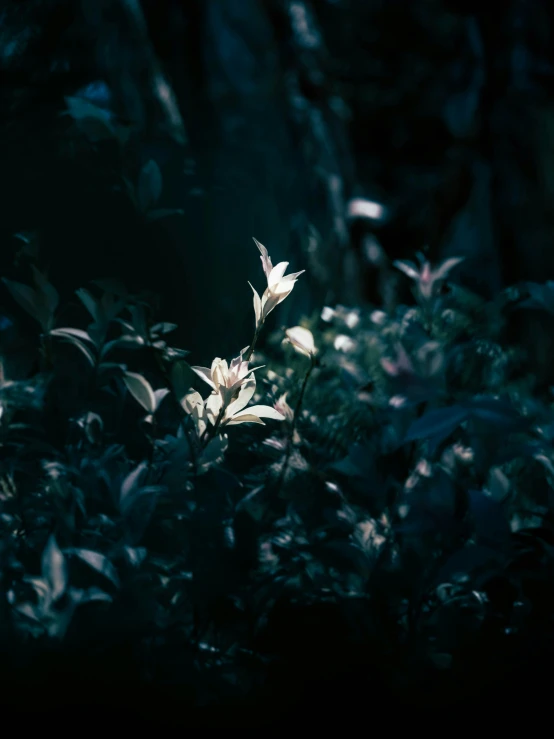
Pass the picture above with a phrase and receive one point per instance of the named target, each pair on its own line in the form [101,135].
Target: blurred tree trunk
[517,116]
[266,117]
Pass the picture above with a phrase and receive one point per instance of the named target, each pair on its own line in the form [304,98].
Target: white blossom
[302,340]
[279,286]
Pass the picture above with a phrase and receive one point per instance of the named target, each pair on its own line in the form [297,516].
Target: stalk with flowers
[233,385]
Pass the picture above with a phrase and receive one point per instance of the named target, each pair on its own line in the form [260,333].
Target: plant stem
[297,410]
[252,346]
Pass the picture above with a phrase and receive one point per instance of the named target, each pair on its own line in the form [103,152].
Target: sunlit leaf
[141,390]
[71,332]
[54,568]
[69,336]
[98,562]
[132,481]
[160,395]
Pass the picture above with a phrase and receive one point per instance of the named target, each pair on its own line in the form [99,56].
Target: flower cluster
[233,384]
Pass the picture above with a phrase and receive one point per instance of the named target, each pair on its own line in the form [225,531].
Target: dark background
[280,113]
[266,118]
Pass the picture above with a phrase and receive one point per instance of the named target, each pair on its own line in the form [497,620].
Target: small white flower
[237,412]
[279,286]
[226,379]
[344,343]
[283,407]
[352,319]
[301,340]
[426,277]
[364,208]
[327,314]
[378,317]
[398,401]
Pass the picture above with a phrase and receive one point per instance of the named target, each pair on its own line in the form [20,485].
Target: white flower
[302,340]
[327,314]
[283,407]
[352,319]
[426,277]
[378,317]
[344,343]
[226,379]
[279,286]
[364,208]
[236,412]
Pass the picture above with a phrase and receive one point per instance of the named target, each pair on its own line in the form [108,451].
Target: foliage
[404,498]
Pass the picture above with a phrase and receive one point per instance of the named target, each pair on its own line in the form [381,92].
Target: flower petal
[213,406]
[444,268]
[257,306]
[276,274]
[245,418]
[408,268]
[292,276]
[266,261]
[245,395]
[262,411]
[301,339]
[205,374]
[269,302]
[220,372]
[240,379]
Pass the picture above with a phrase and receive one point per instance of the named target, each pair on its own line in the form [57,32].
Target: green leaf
[90,595]
[124,342]
[111,286]
[28,299]
[149,185]
[163,328]
[138,315]
[71,332]
[182,378]
[438,424]
[98,562]
[54,568]
[171,353]
[139,513]
[132,482]
[90,303]
[496,412]
[49,292]
[160,395]
[81,109]
[68,335]
[141,390]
